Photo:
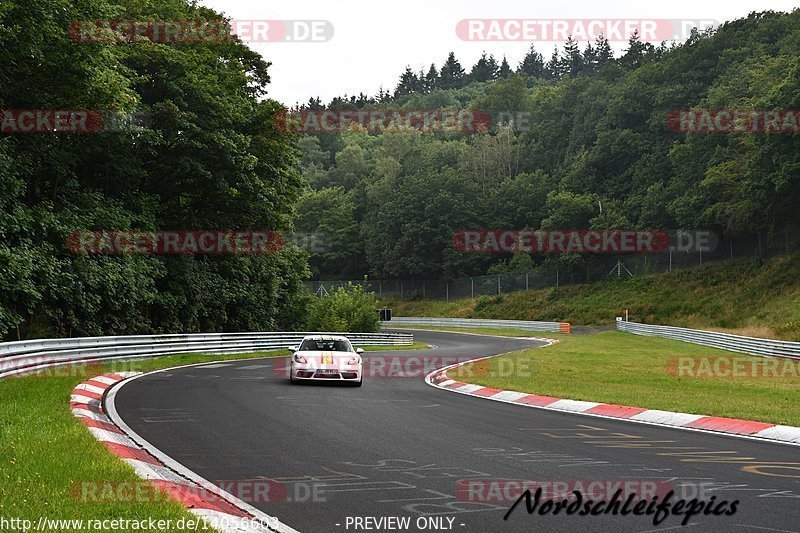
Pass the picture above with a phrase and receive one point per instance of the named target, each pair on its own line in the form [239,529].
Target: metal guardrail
[562,327]
[724,341]
[27,356]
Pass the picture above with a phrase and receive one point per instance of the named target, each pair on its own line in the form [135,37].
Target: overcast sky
[374,41]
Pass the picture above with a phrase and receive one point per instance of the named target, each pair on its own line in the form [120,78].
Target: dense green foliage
[210,159]
[596,134]
[590,130]
[750,297]
[348,308]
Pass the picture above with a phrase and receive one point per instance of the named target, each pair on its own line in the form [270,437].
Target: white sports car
[326,357]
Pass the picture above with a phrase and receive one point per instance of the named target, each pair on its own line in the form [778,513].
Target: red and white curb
[223,511]
[731,426]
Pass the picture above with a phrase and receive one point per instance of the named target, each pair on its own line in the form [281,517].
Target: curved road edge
[93,403]
[743,429]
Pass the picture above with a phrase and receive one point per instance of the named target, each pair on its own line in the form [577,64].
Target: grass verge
[620,368]
[45,451]
[747,297]
[415,346]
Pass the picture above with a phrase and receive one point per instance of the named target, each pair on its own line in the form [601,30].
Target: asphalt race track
[397,447]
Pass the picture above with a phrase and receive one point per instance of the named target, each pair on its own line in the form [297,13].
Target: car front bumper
[338,374]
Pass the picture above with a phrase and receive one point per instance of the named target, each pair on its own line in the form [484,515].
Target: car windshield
[323,345]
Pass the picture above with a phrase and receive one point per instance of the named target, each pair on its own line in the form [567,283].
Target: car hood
[323,359]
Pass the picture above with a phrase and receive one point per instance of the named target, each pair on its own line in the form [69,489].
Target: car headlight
[299,359]
[354,360]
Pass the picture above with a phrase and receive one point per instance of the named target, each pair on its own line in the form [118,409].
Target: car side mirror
[293,349]
[359,350]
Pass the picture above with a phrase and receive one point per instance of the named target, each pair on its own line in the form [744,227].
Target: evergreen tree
[382,95]
[431,79]
[452,74]
[494,67]
[363,100]
[603,51]
[589,59]
[555,67]
[409,83]
[505,70]
[314,104]
[637,53]
[572,61]
[484,70]
[533,64]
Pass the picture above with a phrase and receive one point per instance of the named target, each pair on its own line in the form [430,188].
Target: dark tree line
[595,132]
[565,61]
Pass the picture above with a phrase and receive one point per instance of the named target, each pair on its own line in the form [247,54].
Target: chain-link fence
[591,268]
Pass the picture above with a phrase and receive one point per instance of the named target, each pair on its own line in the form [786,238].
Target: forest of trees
[210,159]
[596,134]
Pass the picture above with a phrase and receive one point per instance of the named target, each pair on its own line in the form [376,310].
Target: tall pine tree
[532,64]
[484,70]
[555,67]
[452,74]
[409,83]
[637,53]
[589,59]
[505,70]
[573,61]
[603,52]
[431,79]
